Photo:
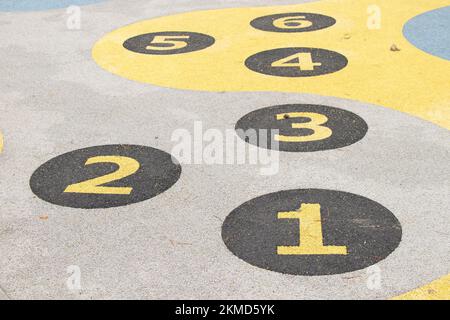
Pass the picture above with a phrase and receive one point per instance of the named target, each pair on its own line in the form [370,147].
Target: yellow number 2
[316,124]
[171,42]
[311,238]
[127,167]
[301,60]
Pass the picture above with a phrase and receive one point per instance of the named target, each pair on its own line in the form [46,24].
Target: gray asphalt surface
[55,99]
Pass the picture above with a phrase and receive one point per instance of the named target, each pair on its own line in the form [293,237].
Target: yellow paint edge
[1,142]
[436,290]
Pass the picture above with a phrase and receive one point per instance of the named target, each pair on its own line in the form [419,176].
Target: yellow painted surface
[436,290]
[310,230]
[1,142]
[408,80]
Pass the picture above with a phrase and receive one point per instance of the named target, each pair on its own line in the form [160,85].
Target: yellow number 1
[311,238]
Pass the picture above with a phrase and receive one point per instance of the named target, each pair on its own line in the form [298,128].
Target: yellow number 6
[292,22]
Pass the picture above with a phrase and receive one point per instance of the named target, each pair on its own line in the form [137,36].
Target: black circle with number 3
[345,127]
[296,62]
[293,22]
[168,42]
[140,173]
[342,232]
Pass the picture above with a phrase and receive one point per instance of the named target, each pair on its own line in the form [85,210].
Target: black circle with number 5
[293,22]
[301,128]
[105,176]
[169,42]
[311,232]
[296,62]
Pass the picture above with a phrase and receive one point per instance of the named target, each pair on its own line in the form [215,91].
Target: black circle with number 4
[296,62]
[105,176]
[311,232]
[293,22]
[169,42]
[301,128]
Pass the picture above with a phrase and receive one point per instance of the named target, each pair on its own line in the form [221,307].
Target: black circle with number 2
[296,62]
[293,22]
[105,176]
[311,232]
[168,42]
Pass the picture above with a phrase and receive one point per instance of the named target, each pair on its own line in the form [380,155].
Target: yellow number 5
[171,42]
[317,120]
[311,238]
[127,167]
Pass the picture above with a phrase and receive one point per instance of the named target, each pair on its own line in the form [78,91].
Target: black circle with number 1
[311,232]
[105,176]
[293,22]
[296,62]
[168,42]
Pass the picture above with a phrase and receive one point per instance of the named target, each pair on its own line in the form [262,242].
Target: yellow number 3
[127,167]
[317,120]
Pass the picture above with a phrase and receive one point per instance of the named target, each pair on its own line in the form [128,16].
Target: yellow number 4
[301,60]
[311,238]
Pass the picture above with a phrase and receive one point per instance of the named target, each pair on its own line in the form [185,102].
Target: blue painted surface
[430,32]
[37,5]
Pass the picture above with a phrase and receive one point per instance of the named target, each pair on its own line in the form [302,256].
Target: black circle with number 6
[105,176]
[169,42]
[301,128]
[293,22]
[311,232]
[296,62]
